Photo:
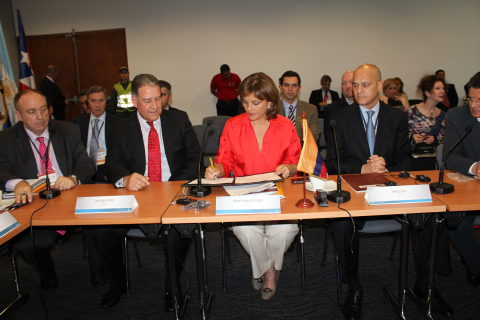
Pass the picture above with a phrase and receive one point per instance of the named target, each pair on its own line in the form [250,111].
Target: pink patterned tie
[42,151]
[154,157]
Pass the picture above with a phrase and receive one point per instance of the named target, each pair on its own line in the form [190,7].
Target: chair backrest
[322,143]
[212,137]
[477,221]
[439,152]
[381,225]
[413,102]
[218,121]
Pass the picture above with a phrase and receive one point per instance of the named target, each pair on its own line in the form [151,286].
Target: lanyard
[365,123]
[42,158]
[98,136]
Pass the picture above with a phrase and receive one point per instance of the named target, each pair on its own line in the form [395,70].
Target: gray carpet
[76,299]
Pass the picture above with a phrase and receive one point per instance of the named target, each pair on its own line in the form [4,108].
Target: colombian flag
[311,161]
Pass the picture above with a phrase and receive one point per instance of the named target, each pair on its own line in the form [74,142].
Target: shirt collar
[143,122]
[376,108]
[34,137]
[50,79]
[348,101]
[287,105]
[101,118]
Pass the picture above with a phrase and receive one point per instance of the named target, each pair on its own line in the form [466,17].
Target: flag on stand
[8,88]
[27,79]
[311,161]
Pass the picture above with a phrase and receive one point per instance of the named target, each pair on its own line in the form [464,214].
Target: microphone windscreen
[333,123]
[209,123]
[470,127]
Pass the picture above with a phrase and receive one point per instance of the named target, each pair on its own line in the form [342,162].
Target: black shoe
[97,278]
[473,279]
[439,305]
[111,298]
[352,307]
[168,302]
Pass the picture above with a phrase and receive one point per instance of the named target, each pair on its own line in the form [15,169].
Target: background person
[391,96]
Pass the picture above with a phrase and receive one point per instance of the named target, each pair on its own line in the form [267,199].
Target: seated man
[322,97]
[23,156]
[151,146]
[464,159]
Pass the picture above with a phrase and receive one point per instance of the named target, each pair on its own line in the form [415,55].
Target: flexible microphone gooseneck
[338,196]
[199,191]
[443,187]
[48,193]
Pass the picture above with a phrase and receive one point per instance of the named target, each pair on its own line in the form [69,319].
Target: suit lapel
[359,129]
[167,131]
[107,127]
[59,147]
[135,136]
[382,128]
[25,150]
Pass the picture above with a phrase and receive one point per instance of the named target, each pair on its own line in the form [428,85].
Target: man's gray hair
[143,80]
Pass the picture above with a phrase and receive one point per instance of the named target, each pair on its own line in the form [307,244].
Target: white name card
[7,223]
[398,194]
[106,204]
[249,204]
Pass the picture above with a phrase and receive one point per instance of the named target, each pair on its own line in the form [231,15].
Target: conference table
[357,207]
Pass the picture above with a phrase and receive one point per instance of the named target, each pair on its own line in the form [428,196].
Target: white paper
[251,204]
[398,194]
[7,223]
[248,188]
[212,182]
[269,176]
[330,185]
[86,205]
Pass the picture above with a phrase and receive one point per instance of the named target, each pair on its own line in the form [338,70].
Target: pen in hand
[213,168]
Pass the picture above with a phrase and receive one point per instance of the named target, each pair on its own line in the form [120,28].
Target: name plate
[249,204]
[398,194]
[7,223]
[106,204]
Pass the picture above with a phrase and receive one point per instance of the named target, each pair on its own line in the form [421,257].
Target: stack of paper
[248,188]
[36,184]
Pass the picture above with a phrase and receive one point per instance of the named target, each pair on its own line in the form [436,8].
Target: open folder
[220,182]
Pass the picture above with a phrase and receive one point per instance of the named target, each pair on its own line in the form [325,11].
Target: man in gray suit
[464,159]
[293,108]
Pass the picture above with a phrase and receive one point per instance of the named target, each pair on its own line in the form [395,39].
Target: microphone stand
[48,193]
[441,187]
[200,191]
[338,196]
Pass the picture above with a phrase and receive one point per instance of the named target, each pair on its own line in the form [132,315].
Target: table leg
[302,253]
[173,276]
[204,297]
[224,257]
[431,267]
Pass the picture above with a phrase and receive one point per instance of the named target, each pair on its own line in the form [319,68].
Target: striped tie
[291,115]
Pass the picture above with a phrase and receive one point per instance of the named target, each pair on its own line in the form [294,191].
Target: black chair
[131,235]
[21,298]
[217,121]
[212,141]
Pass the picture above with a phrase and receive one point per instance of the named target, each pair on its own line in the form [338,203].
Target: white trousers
[266,243]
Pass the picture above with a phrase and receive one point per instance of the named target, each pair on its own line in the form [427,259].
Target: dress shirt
[239,150]
[10,185]
[329,95]
[374,117]
[101,135]
[348,101]
[50,79]
[286,106]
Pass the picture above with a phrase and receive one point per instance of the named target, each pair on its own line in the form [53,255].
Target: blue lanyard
[98,136]
[365,123]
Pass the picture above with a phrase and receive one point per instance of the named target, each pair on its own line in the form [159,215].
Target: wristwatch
[75,177]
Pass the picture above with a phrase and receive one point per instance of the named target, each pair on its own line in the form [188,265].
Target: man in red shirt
[224,86]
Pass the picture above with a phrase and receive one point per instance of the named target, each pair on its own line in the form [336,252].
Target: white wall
[185,42]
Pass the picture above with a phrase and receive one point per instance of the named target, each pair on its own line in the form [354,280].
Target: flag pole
[304,203]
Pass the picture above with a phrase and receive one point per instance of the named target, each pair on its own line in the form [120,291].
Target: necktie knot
[370,114]
[40,139]
[150,123]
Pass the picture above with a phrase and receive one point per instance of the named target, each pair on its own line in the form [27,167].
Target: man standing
[121,96]
[323,97]
[50,89]
[451,98]
[153,145]
[166,94]
[224,86]
[372,138]
[465,159]
[293,108]
[346,100]
[23,155]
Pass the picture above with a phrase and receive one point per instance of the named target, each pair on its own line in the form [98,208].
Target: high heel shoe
[268,293]
[257,283]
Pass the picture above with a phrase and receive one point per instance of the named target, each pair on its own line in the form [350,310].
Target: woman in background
[400,91]
[390,96]
[260,141]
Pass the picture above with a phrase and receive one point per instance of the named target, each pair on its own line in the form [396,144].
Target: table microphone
[199,191]
[48,193]
[338,196]
[443,187]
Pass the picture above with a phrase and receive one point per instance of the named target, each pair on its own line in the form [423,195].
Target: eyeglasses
[472,100]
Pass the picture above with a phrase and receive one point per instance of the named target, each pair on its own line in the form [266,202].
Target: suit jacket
[452,95]
[316,97]
[55,97]
[83,122]
[391,142]
[468,152]
[126,151]
[17,160]
[310,114]
[329,110]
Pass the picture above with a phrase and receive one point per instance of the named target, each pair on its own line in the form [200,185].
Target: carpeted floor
[77,299]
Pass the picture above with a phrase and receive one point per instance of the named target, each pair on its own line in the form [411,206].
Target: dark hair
[261,86]
[51,69]
[224,68]
[427,83]
[165,84]
[82,93]
[325,78]
[143,80]
[290,73]
[97,89]
[438,71]
[20,94]
[473,83]
[400,90]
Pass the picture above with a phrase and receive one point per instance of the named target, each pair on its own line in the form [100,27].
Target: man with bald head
[49,88]
[372,138]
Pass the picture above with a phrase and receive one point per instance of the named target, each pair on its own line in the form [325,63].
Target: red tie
[154,158]
[445,101]
[42,151]
[326,97]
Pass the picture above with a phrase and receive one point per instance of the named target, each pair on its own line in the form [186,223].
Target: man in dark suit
[372,138]
[346,100]
[152,146]
[166,91]
[52,92]
[23,156]
[451,98]
[465,159]
[323,97]
[95,128]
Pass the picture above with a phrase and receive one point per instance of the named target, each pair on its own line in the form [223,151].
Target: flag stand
[304,203]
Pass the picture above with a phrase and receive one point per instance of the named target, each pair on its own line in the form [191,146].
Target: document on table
[248,188]
[106,204]
[255,178]
[7,223]
[36,184]
[248,204]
